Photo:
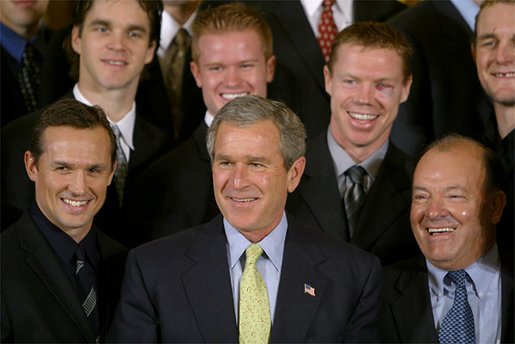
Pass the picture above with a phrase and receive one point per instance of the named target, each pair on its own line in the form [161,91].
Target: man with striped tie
[60,275]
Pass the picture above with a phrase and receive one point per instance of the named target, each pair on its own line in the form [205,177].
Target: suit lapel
[392,186]
[296,309]
[414,294]
[319,189]
[46,265]
[209,289]
[290,15]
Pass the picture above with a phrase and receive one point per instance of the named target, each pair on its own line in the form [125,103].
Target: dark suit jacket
[17,189]
[299,79]
[178,289]
[445,83]
[39,300]
[174,193]
[406,294]
[383,227]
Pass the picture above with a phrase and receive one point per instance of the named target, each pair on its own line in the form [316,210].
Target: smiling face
[451,218]
[71,176]
[114,46]
[366,86]
[22,16]
[231,64]
[494,52]
[250,180]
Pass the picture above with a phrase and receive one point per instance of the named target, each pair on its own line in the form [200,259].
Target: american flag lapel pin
[309,290]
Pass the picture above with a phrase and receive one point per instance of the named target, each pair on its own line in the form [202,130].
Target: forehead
[75,144]
[360,57]
[497,18]
[261,136]
[129,12]
[230,42]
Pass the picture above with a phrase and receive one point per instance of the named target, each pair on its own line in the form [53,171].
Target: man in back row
[253,273]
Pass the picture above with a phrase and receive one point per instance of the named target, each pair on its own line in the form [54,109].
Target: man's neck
[181,13]
[116,103]
[24,31]
[505,116]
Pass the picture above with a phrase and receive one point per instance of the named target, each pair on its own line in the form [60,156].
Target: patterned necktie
[458,324]
[173,63]
[254,315]
[354,196]
[327,29]
[86,281]
[121,170]
[29,78]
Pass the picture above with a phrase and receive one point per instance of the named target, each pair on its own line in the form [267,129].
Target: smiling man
[253,274]
[60,275]
[232,57]
[457,202]
[367,77]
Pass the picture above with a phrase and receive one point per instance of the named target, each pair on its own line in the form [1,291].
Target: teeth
[116,63]
[243,200]
[362,116]
[74,203]
[231,96]
[441,230]
[505,75]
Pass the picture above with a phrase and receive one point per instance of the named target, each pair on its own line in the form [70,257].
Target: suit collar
[46,265]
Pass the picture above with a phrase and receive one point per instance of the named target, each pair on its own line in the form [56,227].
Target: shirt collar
[343,161]
[208,118]
[468,10]
[126,124]
[13,43]
[272,244]
[169,28]
[482,272]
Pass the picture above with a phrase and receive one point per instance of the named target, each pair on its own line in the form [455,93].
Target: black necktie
[29,78]
[354,196]
[86,283]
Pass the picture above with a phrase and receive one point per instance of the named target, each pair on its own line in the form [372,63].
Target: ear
[295,173]
[327,80]
[195,70]
[150,52]
[111,175]
[75,39]
[498,202]
[270,68]
[31,166]
[406,89]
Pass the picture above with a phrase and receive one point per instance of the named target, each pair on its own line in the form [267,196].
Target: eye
[135,34]
[383,85]
[247,65]
[349,82]
[489,43]
[420,197]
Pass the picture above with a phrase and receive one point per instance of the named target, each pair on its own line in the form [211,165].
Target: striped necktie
[86,283]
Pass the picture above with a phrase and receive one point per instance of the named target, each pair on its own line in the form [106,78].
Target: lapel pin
[309,290]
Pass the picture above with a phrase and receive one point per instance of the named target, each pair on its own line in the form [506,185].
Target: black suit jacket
[383,227]
[17,189]
[178,289]
[406,294]
[39,300]
[174,193]
[445,83]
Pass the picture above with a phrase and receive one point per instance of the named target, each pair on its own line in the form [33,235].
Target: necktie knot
[181,38]
[356,174]
[327,4]
[79,259]
[122,167]
[457,277]
[252,254]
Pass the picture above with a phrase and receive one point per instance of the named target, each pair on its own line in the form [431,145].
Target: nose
[364,94]
[116,40]
[505,52]
[77,184]
[232,77]
[436,208]
[240,176]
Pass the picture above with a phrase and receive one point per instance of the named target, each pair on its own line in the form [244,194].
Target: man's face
[250,180]
[113,45]
[231,64]
[453,222]
[72,175]
[366,88]
[495,52]
[22,16]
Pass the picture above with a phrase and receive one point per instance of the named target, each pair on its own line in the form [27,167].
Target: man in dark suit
[457,202]
[445,92]
[367,77]
[109,61]
[495,59]
[50,292]
[176,191]
[195,287]
[24,43]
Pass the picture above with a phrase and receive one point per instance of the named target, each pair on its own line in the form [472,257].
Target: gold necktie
[254,316]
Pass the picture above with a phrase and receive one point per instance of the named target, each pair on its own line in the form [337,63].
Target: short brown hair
[374,35]
[231,17]
[71,113]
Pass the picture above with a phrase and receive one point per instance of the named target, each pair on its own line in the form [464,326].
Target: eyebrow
[108,23]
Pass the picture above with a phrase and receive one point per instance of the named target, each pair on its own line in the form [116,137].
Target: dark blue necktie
[458,324]
[86,281]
